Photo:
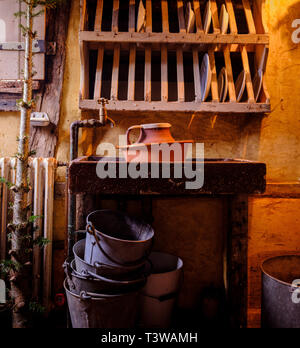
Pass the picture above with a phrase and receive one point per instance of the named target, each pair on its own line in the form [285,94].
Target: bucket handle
[91,230]
[84,295]
[68,271]
[163,298]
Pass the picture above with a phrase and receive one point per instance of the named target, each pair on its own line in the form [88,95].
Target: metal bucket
[105,270]
[91,282]
[116,239]
[281,292]
[159,295]
[98,311]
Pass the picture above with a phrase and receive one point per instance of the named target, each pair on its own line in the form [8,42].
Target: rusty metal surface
[278,308]
[221,177]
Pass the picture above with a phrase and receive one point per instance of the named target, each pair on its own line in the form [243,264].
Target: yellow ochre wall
[193,229]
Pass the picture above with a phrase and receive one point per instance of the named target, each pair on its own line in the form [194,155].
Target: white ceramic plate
[141,19]
[240,85]
[205,77]
[224,20]
[189,18]
[223,85]
[257,84]
[207,17]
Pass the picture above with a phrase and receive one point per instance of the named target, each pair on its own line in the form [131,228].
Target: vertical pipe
[4,163]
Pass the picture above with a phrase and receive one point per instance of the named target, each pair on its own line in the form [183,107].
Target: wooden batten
[197,10]
[99,15]
[181,21]
[197,81]
[232,20]
[164,73]
[99,70]
[84,71]
[147,93]
[131,20]
[249,85]
[214,78]
[115,74]
[180,75]
[215,16]
[115,17]
[249,17]
[83,15]
[228,65]
[148,16]
[131,72]
[165,16]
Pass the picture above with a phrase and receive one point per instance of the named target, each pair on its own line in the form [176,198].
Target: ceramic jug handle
[128,133]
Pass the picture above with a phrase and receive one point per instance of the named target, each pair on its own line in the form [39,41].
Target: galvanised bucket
[116,272]
[281,292]
[99,311]
[116,239]
[93,283]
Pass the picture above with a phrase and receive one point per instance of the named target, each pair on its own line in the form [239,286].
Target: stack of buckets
[114,281]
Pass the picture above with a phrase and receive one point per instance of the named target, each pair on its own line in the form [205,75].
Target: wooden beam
[131,73]
[115,17]
[44,139]
[197,10]
[164,73]
[197,81]
[99,70]
[99,15]
[215,16]
[180,75]
[249,17]
[84,70]
[190,107]
[147,93]
[228,65]
[165,16]
[214,78]
[83,15]
[232,20]
[246,66]
[16,87]
[175,38]
[115,74]
[181,20]
[131,21]
[148,16]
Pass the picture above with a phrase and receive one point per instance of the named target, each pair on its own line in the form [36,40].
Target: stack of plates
[189,18]
[141,19]
[207,17]
[223,85]
[205,77]
[224,20]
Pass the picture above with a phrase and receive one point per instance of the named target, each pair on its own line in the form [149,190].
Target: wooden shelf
[209,107]
[93,37]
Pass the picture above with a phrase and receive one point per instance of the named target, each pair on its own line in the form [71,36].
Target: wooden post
[131,73]
[148,16]
[232,20]
[215,16]
[249,85]
[131,21]
[99,69]
[180,75]
[99,14]
[115,73]
[115,17]
[237,260]
[249,17]
[84,71]
[164,73]
[197,81]
[165,16]
[198,16]
[181,20]
[231,85]
[147,94]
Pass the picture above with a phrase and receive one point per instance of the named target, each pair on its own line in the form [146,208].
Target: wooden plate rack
[159,69]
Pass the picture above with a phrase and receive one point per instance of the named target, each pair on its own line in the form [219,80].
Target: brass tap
[103,117]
